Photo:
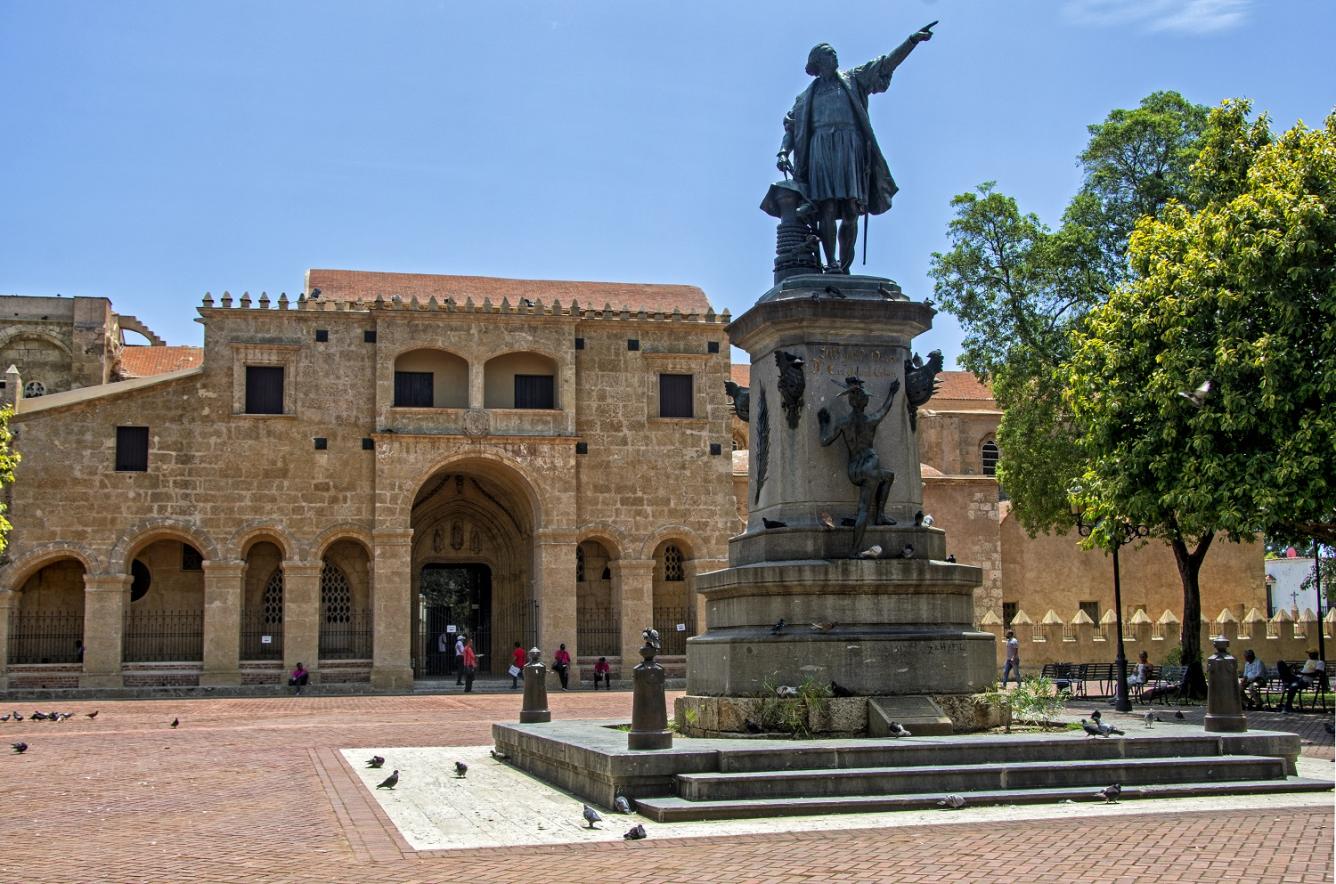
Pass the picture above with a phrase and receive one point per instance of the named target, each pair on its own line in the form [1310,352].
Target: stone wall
[60,343]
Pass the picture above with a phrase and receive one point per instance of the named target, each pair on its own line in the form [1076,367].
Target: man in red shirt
[517,660]
[470,664]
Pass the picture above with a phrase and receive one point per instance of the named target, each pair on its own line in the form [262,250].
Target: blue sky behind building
[153,150]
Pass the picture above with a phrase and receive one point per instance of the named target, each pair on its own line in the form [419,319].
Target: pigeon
[1110,793]
[822,627]
[375,761]
[19,748]
[1178,713]
[38,716]
[1095,715]
[918,519]
[773,523]
[499,756]
[786,691]
[18,716]
[461,769]
[622,805]
[1092,730]
[4,717]
[1198,396]
[834,292]
[635,833]
[592,816]
[1108,729]
[897,729]
[928,521]
[871,552]
[951,557]
[953,801]
[907,552]
[839,690]
[752,727]
[886,292]
[176,722]
[390,782]
[1150,719]
[779,625]
[827,520]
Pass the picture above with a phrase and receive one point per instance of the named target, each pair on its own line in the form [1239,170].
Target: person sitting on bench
[603,673]
[300,676]
[1304,678]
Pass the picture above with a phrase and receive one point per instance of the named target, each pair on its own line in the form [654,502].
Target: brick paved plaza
[256,790]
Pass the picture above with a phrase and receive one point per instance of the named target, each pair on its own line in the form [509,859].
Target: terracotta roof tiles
[961,385]
[142,362]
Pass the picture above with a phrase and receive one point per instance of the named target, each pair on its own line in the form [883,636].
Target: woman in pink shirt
[561,662]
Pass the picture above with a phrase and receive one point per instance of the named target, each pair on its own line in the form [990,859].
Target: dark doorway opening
[458,596]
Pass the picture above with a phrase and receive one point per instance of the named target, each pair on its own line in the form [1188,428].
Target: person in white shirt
[1306,677]
[1013,663]
[459,659]
[1253,679]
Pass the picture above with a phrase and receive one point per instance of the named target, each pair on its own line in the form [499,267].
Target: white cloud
[1182,16]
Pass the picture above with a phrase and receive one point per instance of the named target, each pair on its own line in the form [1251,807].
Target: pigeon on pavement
[1110,793]
[1095,715]
[499,756]
[375,761]
[390,782]
[635,833]
[92,714]
[622,805]
[1092,730]
[1178,713]
[591,816]
[176,722]
[955,802]
[1108,729]
[1150,719]
[461,769]
[18,716]
[38,716]
[4,717]
[19,748]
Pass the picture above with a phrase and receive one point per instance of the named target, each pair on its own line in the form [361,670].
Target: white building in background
[1284,577]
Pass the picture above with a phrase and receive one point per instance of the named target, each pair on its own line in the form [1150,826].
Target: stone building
[1047,576]
[344,478]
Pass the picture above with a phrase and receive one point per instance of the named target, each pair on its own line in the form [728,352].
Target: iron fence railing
[162,636]
[672,641]
[45,637]
[346,640]
[261,639]
[598,634]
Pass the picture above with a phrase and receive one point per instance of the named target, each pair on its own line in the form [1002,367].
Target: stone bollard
[535,690]
[649,708]
[1224,700]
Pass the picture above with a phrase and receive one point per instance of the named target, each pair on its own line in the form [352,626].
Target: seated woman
[300,676]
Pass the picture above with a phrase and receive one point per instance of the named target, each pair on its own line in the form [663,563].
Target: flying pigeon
[839,690]
[779,624]
[1092,730]
[827,520]
[898,730]
[19,748]
[635,833]
[1178,713]
[1150,719]
[1198,396]
[1110,793]
[461,769]
[592,816]
[871,552]
[375,761]
[953,801]
[622,805]
[1108,729]
[390,782]
[822,627]
[773,523]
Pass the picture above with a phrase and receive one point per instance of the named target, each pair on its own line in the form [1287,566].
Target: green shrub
[1036,702]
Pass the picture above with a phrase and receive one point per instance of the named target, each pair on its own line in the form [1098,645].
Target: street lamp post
[1125,533]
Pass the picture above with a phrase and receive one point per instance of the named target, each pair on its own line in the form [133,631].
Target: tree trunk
[1189,572]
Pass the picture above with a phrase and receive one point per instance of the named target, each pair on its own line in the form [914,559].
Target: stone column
[9,600]
[392,609]
[695,604]
[223,599]
[301,617]
[554,590]
[633,580]
[105,600]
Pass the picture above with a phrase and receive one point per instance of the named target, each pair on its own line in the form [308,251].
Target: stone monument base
[835,717]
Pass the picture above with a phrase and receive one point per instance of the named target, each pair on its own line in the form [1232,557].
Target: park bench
[1064,675]
[1104,673]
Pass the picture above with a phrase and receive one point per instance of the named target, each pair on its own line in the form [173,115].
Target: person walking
[470,665]
[1013,662]
[517,661]
[459,659]
[561,662]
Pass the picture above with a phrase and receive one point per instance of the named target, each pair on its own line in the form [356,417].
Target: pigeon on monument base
[622,805]
[1110,793]
[592,816]
[871,552]
[954,802]
[635,833]
[896,729]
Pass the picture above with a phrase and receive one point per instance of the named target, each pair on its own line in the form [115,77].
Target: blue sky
[153,150]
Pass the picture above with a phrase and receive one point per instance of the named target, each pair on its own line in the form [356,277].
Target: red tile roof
[365,285]
[740,374]
[961,385]
[141,362]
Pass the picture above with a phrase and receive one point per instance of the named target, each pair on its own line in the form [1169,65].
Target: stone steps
[677,809]
[1002,776]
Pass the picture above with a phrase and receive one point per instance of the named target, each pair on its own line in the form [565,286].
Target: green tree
[9,459]
[1241,292]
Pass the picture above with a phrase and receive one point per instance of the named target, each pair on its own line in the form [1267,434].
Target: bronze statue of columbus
[831,151]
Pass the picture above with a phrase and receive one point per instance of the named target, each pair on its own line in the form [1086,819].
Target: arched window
[672,563]
[579,565]
[989,458]
[273,598]
[140,580]
[336,595]
[33,389]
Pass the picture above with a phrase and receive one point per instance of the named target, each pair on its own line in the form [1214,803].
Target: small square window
[132,449]
[321,443]
[633,343]
[1009,612]
[414,389]
[581,447]
[369,336]
[712,347]
[368,444]
[1091,610]
[675,395]
[579,343]
[264,389]
[716,449]
[322,335]
[534,391]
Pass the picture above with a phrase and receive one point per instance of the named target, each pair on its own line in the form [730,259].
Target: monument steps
[676,809]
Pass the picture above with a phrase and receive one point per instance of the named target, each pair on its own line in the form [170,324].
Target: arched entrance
[472,567]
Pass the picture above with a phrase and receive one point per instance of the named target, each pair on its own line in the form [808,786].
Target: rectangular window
[413,389]
[264,389]
[1091,609]
[132,449]
[534,391]
[1008,613]
[675,396]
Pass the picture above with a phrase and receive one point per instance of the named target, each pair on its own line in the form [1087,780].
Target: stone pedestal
[105,600]
[889,618]
[649,708]
[1224,700]
[392,598]
[535,690]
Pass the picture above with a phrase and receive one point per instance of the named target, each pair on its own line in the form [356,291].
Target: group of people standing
[466,664]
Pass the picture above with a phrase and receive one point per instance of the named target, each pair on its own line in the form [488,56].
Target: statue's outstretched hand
[783,163]
[923,34]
